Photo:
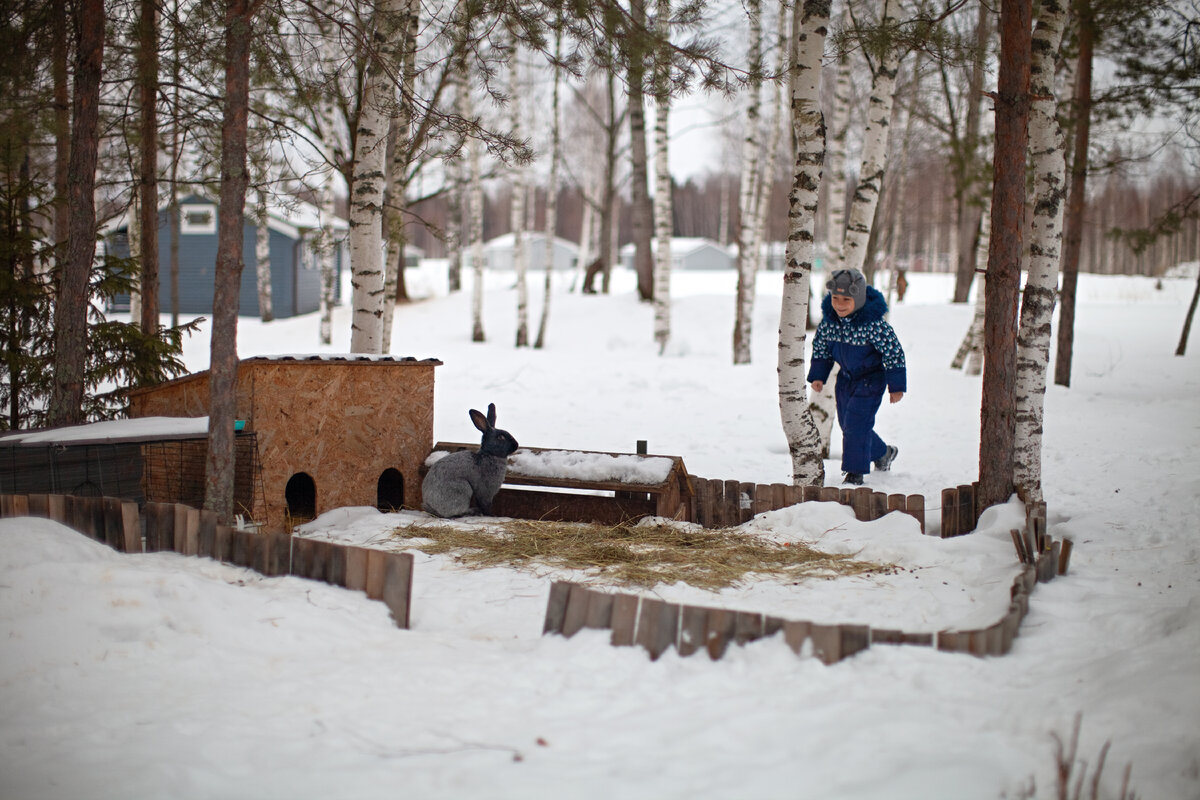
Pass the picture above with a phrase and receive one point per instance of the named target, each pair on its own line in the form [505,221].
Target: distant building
[295,265]
[498,252]
[689,253]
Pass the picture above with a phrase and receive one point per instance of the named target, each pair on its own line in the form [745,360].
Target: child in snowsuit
[854,334]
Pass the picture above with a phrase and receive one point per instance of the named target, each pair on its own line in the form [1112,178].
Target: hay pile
[631,554]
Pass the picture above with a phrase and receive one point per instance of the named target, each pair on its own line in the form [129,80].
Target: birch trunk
[748,190]
[1037,304]
[643,211]
[366,218]
[262,259]
[974,365]
[874,156]
[808,131]
[835,230]
[327,252]
[517,219]
[133,234]
[663,213]
[400,136]
[551,194]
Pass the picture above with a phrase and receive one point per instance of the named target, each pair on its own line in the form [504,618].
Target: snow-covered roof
[505,241]
[142,429]
[343,357]
[285,217]
[680,245]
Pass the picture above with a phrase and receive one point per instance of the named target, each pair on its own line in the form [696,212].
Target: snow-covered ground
[158,676]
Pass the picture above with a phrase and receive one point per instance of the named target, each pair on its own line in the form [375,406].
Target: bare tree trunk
[663,210]
[643,212]
[70,313]
[223,358]
[874,155]
[475,235]
[1187,321]
[262,259]
[1076,198]
[970,352]
[808,134]
[552,194]
[967,211]
[1037,305]
[744,304]
[998,412]
[326,245]
[133,235]
[147,59]
[62,126]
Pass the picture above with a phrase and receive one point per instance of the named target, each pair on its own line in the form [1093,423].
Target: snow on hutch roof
[143,429]
[344,357]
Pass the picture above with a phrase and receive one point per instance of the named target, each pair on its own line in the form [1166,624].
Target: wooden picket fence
[727,503]
[157,527]
[657,625]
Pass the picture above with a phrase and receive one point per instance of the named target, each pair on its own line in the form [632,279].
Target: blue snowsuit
[870,357]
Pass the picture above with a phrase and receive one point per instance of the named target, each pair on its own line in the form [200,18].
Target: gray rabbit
[466,481]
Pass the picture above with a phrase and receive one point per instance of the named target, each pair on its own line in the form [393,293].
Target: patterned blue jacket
[862,344]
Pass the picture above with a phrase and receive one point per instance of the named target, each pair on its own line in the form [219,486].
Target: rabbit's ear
[491,415]
[480,421]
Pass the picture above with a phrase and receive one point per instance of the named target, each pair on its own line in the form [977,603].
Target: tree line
[441,123]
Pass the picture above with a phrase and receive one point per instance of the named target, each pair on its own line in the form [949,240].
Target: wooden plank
[376,567]
[731,512]
[949,513]
[335,566]
[1019,544]
[830,494]
[719,631]
[39,505]
[879,505]
[277,554]
[131,527]
[658,626]
[1064,557]
[810,494]
[827,642]
[966,509]
[556,607]
[860,501]
[564,507]
[577,603]
[223,544]
[771,626]
[56,505]
[114,533]
[6,506]
[796,633]
[896,502]
[179,525]
[745,502]
[397,586]
[356,568]
[206,534]
[915,507]
[160,524]
[599,611]
[747,627]
[693,627]
[855,639]
[189,533]
[763,499]
[624,619]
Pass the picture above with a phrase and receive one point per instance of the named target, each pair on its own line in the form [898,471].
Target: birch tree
[400,137]
[552,191]
[970,353]
[748,193]
[811,19]
[1037,304]
[643,212]
[366,198]
[326,245]
[663,214]
[835,215]
[262,258]
[861,214]
[517,218]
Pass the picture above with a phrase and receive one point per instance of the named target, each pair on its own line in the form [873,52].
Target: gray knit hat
[849,283]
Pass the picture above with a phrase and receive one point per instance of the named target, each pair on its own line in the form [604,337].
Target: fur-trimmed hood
[874,308]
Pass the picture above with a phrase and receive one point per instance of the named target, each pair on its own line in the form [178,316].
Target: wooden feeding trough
[589,486]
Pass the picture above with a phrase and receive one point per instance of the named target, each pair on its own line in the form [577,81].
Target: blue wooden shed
[295,265]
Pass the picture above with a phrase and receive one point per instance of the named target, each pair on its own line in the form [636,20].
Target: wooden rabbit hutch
[332,431]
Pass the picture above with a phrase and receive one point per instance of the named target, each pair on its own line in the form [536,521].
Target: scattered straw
[631,554]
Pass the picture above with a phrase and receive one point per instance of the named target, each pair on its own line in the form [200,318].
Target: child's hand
[896,396]
[819,385]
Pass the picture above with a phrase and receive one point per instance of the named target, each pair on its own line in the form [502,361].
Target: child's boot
[853,478]
[884,462]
